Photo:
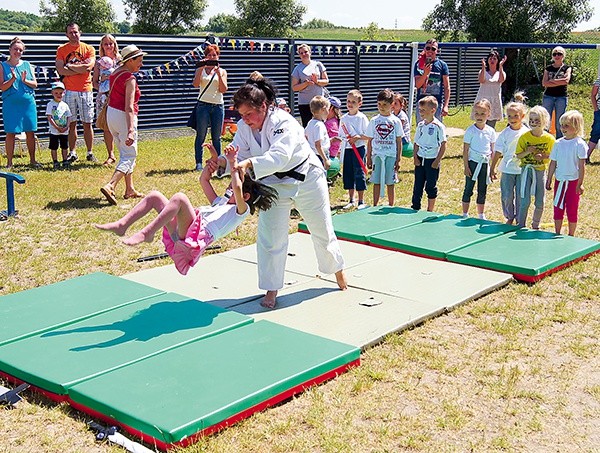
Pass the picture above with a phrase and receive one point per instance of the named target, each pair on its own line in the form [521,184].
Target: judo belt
[292,173]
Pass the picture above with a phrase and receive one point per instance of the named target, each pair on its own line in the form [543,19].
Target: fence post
[411,90]
[292,45]
[357,46]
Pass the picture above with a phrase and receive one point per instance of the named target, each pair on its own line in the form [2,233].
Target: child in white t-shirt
[478,148]
[316,132]
[384,147]
[59,117]
[567,165]
[510,165]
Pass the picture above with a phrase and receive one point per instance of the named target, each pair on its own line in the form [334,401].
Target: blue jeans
[208,115]
[559,105]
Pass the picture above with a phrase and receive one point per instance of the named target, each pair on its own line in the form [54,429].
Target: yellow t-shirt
[543,144]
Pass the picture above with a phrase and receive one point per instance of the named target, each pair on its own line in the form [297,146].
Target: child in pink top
[332,124]
[187,231]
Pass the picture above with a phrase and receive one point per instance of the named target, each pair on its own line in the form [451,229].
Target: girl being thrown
[187,232]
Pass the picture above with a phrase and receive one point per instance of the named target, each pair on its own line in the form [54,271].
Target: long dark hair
[494,53]
[262,196]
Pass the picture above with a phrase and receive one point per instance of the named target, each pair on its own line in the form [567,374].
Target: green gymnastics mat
[436,237]
[49,307]
[529,255]
[359,226]
[206,385]
[58,359]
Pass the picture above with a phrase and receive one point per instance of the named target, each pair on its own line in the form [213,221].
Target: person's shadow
[156,320]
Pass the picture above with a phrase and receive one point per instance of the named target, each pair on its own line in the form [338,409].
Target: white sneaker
[349,205]
[72,157]
[465,215]
[362,205]
[482,217]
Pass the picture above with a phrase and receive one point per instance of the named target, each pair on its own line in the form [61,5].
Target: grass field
[516,370]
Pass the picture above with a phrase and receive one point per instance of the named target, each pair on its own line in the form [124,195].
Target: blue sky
[353,13]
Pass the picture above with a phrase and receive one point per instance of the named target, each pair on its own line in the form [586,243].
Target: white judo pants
[312,202]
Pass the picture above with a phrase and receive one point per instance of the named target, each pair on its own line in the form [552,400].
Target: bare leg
[351,195]
[572,227]
[465,208]
[108,141]
[557,225]
[9,145]
[178,207]
[480,209]
[361,195]
[154,200]
[430,204]
[340,277]
[72,136]
[130,191]
[376,190]
[30,140]
[391,194]
[88,136]
[270,299]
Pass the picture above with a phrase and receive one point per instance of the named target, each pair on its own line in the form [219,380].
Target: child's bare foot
[270,299]
[138,238]
[113,227]
[340,277]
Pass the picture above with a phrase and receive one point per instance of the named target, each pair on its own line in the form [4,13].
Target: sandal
[109,193]
[109,162]
[134,194]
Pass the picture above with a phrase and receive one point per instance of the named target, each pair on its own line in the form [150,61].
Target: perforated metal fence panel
[166,79]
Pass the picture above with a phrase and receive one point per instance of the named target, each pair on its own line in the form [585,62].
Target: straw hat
[131,51]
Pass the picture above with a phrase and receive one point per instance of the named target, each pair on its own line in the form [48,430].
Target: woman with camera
[212,81]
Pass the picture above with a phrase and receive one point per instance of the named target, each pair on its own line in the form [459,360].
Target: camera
[207,63]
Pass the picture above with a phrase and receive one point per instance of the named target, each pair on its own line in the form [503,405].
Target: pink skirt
[186,252]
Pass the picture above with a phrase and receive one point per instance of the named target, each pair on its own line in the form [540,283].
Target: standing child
[59,117]
[384,147]
[332,124]
[567,164]
[353,127]
[595,135]
[315,131]
[429,148]
[477,151]
[510,167]
[399,109]
[187,232]
[533,148]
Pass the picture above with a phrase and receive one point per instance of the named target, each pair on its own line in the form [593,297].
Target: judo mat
[359,226]
[529,255]
[164,366]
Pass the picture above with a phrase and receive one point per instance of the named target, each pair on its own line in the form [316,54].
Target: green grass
[354,34]
[515,370]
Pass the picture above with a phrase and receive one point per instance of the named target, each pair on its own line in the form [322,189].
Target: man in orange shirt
[75,62]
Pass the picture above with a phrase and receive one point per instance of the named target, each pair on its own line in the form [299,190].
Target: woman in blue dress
[17,82]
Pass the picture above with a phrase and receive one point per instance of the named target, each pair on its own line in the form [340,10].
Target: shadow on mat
[283,301]
[144,325]
[522,235]
[76,203]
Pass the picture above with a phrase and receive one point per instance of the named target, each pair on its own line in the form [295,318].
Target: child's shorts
[389,164]
[595,135]
[59,140]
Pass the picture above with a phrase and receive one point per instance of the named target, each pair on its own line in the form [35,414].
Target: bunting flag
[252,46]
[168,68]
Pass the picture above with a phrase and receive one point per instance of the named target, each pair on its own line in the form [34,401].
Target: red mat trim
[162,445]
[53,396]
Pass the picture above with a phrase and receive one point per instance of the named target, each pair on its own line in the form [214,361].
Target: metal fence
[165,80]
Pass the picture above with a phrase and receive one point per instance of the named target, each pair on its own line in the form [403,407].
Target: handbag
[101,121]
[193,119]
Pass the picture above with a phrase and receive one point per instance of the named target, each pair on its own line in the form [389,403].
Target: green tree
[318,23]
[92,16]
[221,23]
[165,17]
[371,32]
[268,18]
[507,20]
[123,27]
[19,21]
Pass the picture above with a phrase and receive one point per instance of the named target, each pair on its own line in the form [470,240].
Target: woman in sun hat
[122,118]
[556,78]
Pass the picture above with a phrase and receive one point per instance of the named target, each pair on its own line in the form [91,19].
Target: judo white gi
[282,148]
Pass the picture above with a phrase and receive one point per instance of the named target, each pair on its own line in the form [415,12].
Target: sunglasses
[556,54]
[430,48]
